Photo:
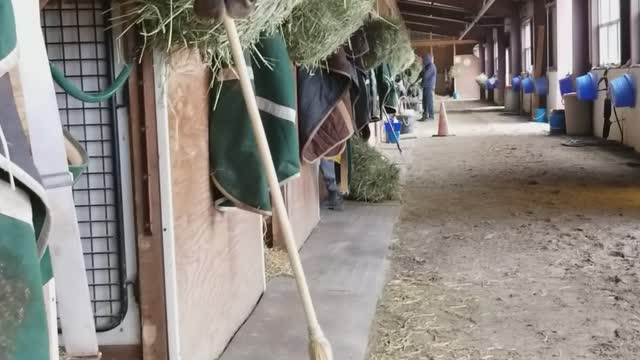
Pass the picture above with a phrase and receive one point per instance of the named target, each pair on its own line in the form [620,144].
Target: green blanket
[8,48]
[236,168]
[23,321]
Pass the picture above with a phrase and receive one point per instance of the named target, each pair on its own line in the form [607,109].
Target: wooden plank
[121,352]
[441,42]
[146,195]
[302,196]
[219,256]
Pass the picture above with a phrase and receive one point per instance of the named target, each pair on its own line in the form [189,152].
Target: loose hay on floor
[277,263]
[374,177]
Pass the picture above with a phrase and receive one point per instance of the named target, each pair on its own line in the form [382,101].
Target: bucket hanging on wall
[515,83]
[542,86]
[566,85]
[492,83]
[528,87]
[623,91]
[587,87]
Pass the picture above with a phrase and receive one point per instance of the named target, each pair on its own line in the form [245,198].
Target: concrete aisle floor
[512,246]
[345,261]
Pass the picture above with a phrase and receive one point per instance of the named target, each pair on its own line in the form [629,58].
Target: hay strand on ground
[374,177]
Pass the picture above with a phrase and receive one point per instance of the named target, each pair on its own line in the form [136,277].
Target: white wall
[465,70]
[631,116]
[554,100]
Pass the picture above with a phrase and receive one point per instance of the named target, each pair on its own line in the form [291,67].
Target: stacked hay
[413,71]
[170,25]
[389,43]
[317,28]
[374,178]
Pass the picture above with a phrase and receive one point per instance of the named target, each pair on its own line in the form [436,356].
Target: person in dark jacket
[428,77]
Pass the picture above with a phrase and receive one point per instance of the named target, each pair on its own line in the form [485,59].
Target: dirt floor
[512,246]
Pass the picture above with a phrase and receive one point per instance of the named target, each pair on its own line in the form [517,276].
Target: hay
[317,28]
[375,178]
[277,263]
[388,43]
[171,25]
[413,71]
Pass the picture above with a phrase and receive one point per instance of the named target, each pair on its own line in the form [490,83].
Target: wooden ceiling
[450,18]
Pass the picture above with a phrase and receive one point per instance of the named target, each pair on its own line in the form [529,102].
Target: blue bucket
[557,124]
[623,91]
[528,86]
[542,86]
[541,115]
[587,87]
[566,85]
[515,83]
[393,128]
[492,83]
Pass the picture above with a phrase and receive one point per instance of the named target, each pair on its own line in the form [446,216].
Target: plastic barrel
[541,115]
[566,85]
[587,87]
[527,86]
[393,130]
[515,83]
[623,91]
[542,86]
[557,124]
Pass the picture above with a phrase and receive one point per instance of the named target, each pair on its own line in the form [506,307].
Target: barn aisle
[512,246]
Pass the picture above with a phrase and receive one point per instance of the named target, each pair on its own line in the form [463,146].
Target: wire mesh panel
[79,44]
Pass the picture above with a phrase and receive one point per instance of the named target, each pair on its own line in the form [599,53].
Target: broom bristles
[320,348]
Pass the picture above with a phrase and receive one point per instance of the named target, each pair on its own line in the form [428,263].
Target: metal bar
[483,11]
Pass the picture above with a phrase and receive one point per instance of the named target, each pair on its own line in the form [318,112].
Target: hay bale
[374,178]
[171,25]
[317,28]
[388,43]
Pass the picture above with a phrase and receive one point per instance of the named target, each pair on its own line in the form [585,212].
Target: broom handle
[272,178]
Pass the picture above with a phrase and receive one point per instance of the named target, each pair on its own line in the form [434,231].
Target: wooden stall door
[219,256]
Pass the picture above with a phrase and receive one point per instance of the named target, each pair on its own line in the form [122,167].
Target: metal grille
[79,43]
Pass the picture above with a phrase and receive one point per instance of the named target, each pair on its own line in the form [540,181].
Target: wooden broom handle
[272,179]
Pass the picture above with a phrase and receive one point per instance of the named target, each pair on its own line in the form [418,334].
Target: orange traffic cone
[443,122]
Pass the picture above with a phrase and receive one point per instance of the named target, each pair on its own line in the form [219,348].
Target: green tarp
[8,49]
[236,168]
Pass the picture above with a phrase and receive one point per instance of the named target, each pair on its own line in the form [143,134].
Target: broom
[319,346]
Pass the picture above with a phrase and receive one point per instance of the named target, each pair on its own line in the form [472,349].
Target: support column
[580,21]
[516,42]
[483,66]
[635,31]
[502,65]
[490,66]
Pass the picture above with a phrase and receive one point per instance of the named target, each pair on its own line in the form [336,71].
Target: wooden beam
[441,42]
[483,11]
[147,208]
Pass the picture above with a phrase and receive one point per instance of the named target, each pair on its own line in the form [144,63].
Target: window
[507,56]
[527,50]
[609,32]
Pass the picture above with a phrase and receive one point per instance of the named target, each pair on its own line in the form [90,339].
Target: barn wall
[630,116]
[219,256]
